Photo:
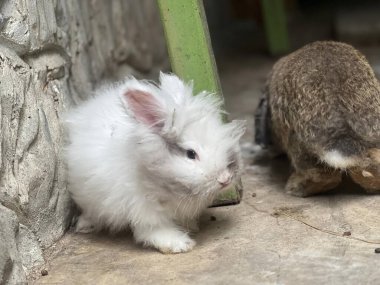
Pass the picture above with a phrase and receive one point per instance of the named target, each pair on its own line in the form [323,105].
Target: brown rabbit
[324,102]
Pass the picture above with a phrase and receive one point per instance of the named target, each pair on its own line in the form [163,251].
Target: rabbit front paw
[166,240]
[84,225]
[176,244]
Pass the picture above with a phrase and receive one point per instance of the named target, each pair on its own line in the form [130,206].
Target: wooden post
[191,56]
[189,44]
[275,26]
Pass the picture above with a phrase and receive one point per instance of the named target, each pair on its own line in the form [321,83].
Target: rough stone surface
[11,270]
[270,238]
[52,54]
[29,249]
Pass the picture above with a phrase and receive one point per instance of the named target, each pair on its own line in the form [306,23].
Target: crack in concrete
[278,271]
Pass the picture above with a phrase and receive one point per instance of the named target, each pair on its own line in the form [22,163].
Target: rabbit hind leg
[368,179]
[312,181]
[309,176]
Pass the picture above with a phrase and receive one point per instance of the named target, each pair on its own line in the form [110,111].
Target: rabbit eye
[191,154]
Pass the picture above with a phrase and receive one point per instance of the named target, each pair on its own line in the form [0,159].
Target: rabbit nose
[224,178]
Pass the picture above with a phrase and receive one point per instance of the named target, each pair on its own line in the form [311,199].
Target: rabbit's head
[183,144]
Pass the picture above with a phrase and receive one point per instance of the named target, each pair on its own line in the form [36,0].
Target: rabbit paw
[84,225]
[176,245]
[167,240]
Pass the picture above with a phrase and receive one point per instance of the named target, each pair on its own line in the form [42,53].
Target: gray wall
[52,54]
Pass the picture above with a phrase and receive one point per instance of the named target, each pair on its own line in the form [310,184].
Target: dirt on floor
[269,238]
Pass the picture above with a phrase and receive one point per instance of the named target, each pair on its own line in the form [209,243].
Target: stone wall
[52,54]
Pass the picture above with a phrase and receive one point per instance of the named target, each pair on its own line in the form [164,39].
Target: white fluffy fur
[123,172]
[335,159]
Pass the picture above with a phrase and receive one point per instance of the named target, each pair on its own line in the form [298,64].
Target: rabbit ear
[237,128]
[145,107]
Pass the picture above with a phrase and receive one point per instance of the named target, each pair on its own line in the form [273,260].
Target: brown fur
[325,97]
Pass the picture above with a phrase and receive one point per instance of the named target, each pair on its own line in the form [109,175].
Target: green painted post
[191,56]
[188,43]
[275,26]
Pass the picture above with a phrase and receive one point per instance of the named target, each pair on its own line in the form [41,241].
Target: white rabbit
[150,158]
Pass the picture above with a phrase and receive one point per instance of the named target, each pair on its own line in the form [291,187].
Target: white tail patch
[337,160]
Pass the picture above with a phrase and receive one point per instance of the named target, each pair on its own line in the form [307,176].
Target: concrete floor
[270,238]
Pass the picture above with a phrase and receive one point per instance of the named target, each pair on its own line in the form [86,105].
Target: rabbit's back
[325,97]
